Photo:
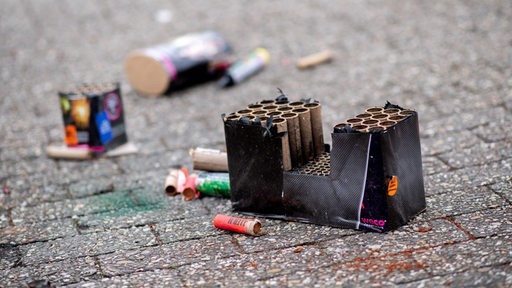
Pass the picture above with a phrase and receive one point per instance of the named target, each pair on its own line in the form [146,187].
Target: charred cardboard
[356,194]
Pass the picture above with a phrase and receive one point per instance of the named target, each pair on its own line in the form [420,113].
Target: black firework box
[93,117]
[280,167]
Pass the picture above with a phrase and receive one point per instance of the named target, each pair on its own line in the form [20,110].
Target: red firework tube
[190,192]
[239,225]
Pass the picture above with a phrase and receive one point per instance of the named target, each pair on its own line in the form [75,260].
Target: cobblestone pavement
[107,222]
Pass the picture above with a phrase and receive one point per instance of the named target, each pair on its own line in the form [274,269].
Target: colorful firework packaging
[93,117]
[279,166]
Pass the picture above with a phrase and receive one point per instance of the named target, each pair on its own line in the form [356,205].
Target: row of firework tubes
[302,122]
[374,119]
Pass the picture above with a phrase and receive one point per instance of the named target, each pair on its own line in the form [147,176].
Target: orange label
[71,137]
[392,186]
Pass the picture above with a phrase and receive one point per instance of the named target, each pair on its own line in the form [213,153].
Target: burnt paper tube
[315,111]
[306,135]
[282,127]
[314,59]
[293,126]
[171,182]
[239,225]
[209,160]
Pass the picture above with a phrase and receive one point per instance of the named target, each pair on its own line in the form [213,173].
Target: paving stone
[289,234]
[35,194]
[37,232]
[4,222]
[467,178]
[156,278]
[432,165]
[503,188]
[11,256]
[121,201]
[246,269]
[78,170]
[168,256]
[58,273]
[484,223]
[155,162]
[440,142]
[193,227]
[461,121]
[481,277]
[460,202]
[478,154]
[86,245]
[416,236]
[484,252]
[171,210]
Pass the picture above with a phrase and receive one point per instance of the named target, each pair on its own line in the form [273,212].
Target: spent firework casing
[213,184]
[239,225]
[189,189]
[209,159]
[315,111]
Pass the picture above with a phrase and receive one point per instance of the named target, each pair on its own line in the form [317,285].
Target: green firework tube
[213,184]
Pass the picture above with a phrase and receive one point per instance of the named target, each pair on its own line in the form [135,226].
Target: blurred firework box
[371,180]
[93,117]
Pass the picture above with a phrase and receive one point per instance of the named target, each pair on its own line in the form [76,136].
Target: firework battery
[371,179]
[213,184]
[246,68]
[187,60]
[93,117]
[239,225]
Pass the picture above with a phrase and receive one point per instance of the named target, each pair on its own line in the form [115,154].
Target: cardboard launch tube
[406,112]
[171,182]
[239,225]
[379,116]
[209,159]
[259,113]
[285,109]
[282,127]
[391,111]
[189,191]
[314,59]
[315,110]
[364,116]
[374,110]
[306,135]
[387,124]
[270,107]
[293,126]
[66,152]
[255,107]
[296,104]
[263,120]
[354,121]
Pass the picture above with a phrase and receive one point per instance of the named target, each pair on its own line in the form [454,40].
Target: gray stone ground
[107,222]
